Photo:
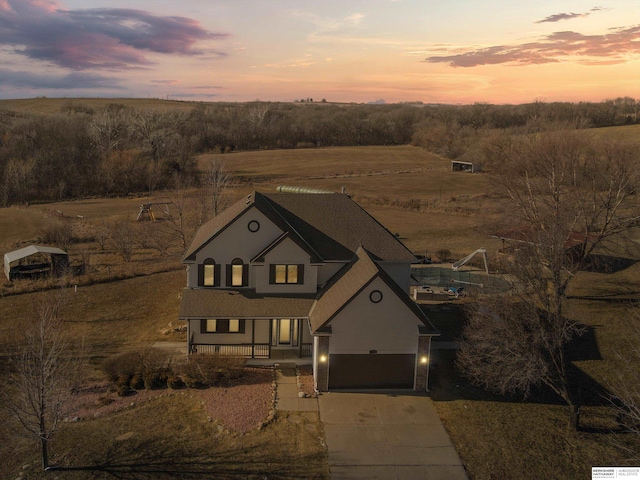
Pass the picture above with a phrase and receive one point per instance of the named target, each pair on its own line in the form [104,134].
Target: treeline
[117,150]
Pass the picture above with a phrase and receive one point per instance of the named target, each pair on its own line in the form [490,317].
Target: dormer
[288,265]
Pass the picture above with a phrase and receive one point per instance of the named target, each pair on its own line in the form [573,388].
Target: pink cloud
[569,16]
[95,38]
[616,46]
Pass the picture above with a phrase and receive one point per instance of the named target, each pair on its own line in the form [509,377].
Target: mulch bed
[241,407]
[305,377]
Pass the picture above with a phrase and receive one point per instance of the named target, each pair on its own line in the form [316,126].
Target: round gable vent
[375,296]
[253,226]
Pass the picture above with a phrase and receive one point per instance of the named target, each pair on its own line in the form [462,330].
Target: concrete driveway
[386,436]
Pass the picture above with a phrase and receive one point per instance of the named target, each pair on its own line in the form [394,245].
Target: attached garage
[358,371]
[368,333]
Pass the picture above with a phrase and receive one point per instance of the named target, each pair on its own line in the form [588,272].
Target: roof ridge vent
[291,189]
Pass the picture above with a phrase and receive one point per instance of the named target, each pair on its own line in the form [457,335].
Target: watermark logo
[603,473]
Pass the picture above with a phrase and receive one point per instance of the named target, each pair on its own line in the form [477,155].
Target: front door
[284,332]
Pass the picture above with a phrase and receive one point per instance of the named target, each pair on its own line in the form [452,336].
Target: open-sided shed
[460,166]
[34,260]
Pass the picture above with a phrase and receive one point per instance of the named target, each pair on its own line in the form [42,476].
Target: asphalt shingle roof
[332,225]
[348,283]
[214,303]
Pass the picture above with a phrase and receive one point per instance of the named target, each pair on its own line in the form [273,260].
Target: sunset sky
[455,51]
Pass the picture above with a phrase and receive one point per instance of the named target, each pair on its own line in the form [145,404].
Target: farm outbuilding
[458,166]
[34,261]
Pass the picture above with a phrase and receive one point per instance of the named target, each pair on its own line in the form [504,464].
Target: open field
[55,105]
[409,190]
[412,193]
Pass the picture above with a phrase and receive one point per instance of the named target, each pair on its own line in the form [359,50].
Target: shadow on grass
[608,263]
[152,459]
[448,384]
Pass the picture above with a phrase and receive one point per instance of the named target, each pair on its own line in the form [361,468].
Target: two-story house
[313,273]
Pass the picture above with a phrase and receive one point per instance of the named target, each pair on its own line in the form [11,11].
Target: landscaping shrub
[145,368]
[229,368]
[175,382]
[154,380]
[137,382]
[212,370]
[192,382]
[122,385]
[125,364]
[151,368]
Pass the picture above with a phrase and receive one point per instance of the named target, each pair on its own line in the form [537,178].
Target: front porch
[254,350]
[276,338]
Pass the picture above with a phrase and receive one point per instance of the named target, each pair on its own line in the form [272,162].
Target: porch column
[270,335]
[253,338]
[188,337]
[322,363]
[422,363]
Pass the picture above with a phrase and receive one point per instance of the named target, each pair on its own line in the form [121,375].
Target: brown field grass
[497,438]
[18,225]
[55,105]
[389,182]
[170,437]
[110,317]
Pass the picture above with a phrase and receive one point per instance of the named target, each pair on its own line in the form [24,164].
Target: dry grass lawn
[171,437]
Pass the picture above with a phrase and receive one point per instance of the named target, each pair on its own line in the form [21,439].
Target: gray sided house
[313,274]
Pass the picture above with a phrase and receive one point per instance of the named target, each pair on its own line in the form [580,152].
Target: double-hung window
[237,274]
[209,273]
[282,274]
[232,325]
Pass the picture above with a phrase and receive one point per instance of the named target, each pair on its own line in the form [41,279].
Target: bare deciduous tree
[107,129]
[44,370]
[572,198]
[18,179]
[212,198]
[58,233]
[625,382]
[123,238]
[153,235]
[180,222]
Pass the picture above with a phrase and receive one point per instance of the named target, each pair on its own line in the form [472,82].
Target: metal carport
[59,260]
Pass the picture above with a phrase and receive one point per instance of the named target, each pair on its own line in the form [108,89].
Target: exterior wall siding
[387,327]
[236,241]
[306,331]
[287,252]
[261,333]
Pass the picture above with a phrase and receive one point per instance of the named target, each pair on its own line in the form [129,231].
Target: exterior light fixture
[423,360]
[323,358]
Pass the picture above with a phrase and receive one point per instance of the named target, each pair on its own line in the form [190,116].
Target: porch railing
[307,349]
[257,350]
